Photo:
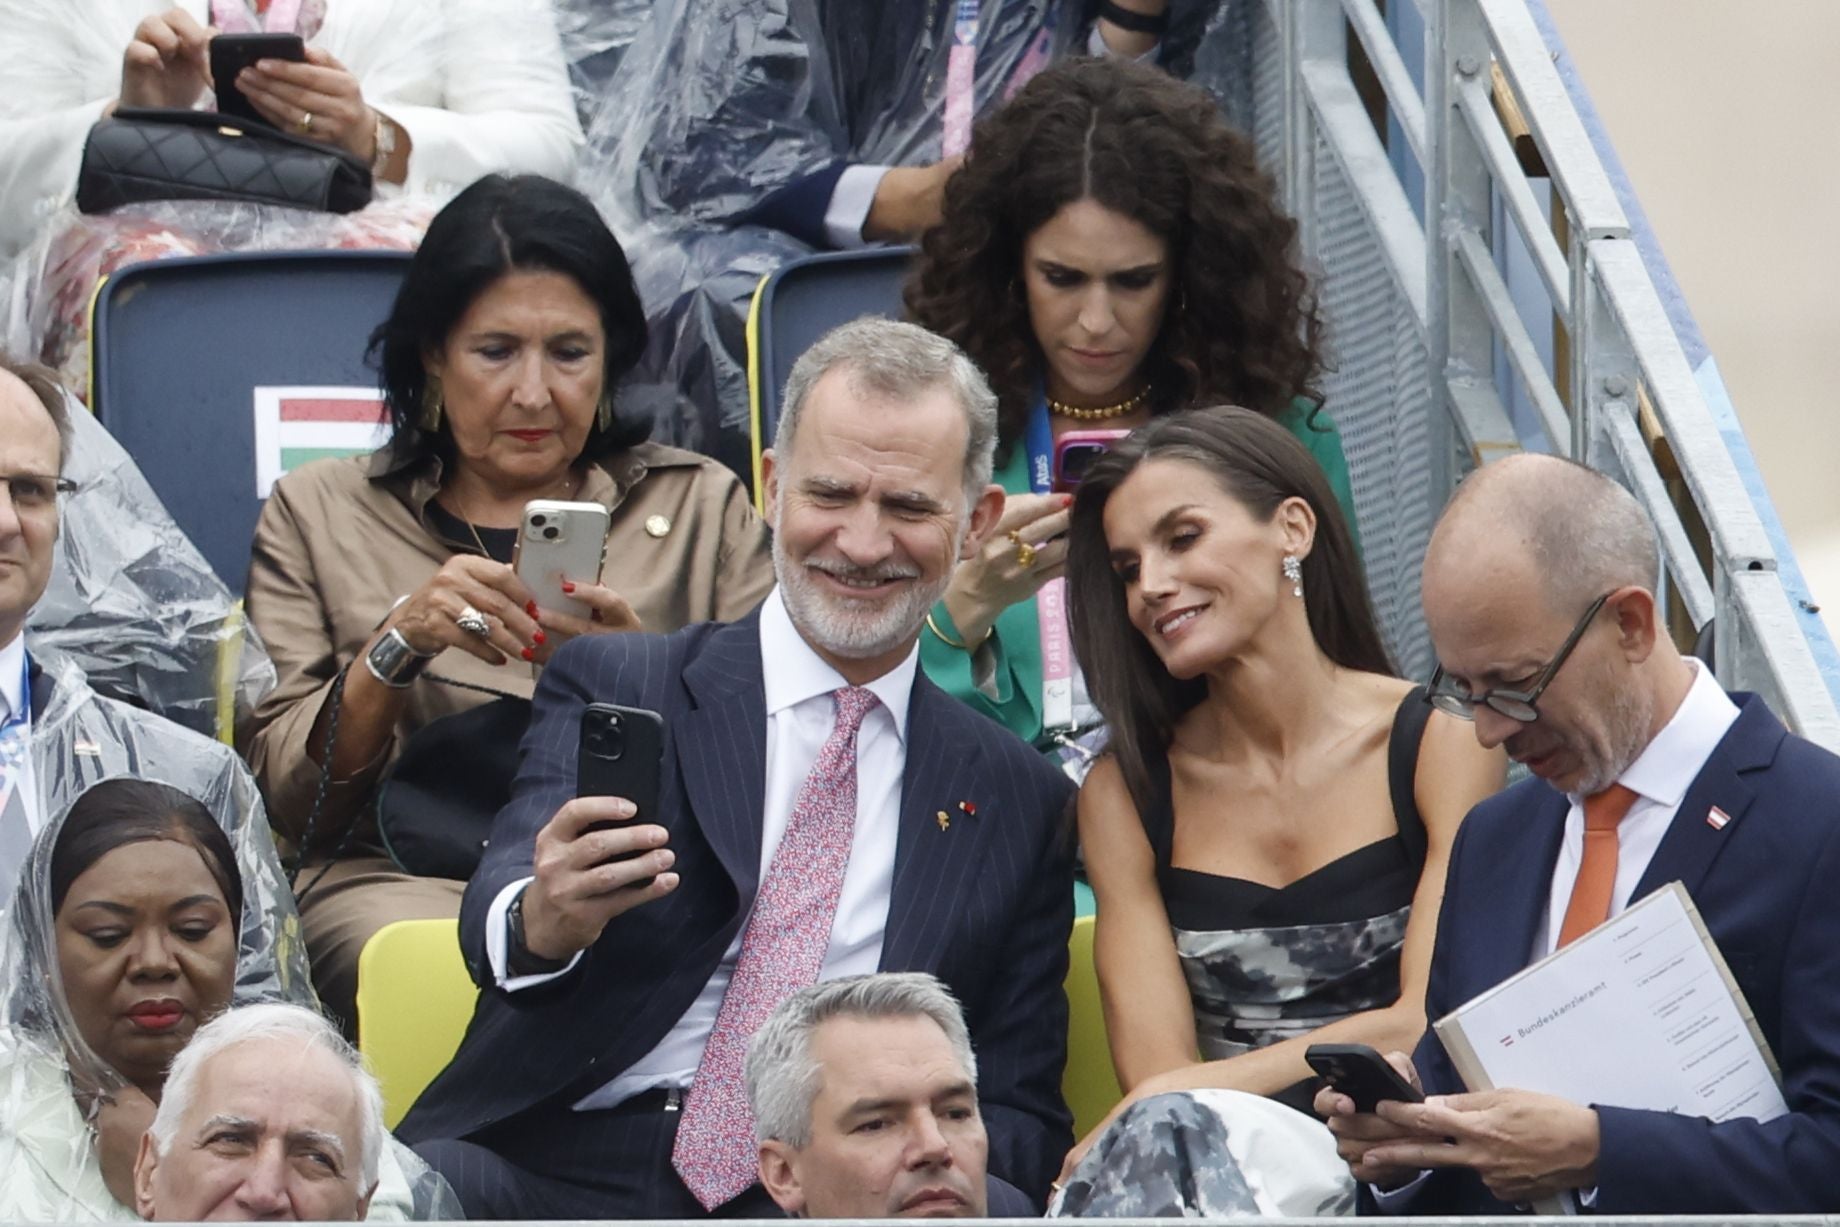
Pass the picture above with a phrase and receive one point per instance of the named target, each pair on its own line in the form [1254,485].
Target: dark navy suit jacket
[1768,887]
[985,903]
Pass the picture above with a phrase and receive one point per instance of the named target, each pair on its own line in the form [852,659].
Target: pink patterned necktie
[782,951]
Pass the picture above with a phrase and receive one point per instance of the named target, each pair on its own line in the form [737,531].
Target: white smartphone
[561,541]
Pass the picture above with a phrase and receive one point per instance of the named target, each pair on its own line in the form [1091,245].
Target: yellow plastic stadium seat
[1089,1085]
[414,1001]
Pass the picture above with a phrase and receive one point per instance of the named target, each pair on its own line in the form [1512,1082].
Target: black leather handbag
[435,806]
[142,154]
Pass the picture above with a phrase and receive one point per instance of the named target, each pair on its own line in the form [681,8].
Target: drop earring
[1293,571]
[431,405]
[603,414]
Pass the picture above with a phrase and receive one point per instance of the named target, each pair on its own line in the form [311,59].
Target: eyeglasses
[1445,695]
[36,492]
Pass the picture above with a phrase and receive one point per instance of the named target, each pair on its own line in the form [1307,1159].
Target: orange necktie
[1596,884]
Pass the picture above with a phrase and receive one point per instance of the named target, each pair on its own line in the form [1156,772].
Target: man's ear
[780,1176]
[1636,623]
[985,513]
[145,1160]
[769,485]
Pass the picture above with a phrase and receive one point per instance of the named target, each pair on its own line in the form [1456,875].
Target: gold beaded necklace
[1104,413]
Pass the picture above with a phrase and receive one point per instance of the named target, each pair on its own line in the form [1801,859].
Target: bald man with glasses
[1539,592]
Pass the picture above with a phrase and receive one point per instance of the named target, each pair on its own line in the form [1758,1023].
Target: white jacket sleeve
[61,66]
[506,103]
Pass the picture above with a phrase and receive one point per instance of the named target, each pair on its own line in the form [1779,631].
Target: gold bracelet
[957,643]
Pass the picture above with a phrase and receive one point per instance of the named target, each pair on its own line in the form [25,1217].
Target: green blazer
[1016,639]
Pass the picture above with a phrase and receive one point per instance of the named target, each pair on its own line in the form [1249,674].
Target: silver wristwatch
[393,662]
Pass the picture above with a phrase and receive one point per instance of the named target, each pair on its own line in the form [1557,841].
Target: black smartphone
[621,754]
[232,53]
[1360,1073]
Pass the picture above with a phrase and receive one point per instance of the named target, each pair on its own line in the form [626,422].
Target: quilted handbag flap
[141,154]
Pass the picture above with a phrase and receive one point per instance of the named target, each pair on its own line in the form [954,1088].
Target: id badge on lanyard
[1051,600]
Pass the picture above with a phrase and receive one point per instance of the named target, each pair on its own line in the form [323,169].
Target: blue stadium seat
[178,346]
[800,302]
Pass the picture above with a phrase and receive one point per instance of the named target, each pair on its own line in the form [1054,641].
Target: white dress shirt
[1659,777]
[800,716]
[16,698]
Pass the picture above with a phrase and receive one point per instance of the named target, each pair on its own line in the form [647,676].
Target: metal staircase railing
[1609,383]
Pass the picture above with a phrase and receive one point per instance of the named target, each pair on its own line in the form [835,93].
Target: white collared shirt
[1660,777]
[16,698]
[800,715]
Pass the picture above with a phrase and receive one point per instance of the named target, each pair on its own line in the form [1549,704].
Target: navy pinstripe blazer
[1764,884]
[985,905]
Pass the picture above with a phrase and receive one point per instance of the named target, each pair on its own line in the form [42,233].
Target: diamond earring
[1293,571]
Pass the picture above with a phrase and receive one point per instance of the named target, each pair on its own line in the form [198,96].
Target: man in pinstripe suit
[607,949]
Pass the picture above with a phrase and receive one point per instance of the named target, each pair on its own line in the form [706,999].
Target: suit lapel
[1520,878]
[722,747]
[1692,843]
[934,863]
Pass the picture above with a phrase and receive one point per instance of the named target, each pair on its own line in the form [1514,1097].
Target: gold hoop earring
[431,405]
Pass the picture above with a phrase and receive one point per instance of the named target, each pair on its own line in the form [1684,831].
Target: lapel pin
[945,823]
[968,809]
[1716,818]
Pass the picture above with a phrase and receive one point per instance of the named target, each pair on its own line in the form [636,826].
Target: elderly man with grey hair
[267,1114]
[818,809]
[864,1093]
[1540,587]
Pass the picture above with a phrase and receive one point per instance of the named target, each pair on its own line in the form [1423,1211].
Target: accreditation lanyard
[961,80]
[239,17]
[1051,600]
[961,74]
[12,738]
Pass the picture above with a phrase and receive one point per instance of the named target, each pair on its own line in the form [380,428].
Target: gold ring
[1025,553]
[306,121]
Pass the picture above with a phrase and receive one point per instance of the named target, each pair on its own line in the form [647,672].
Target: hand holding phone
[232,53]
[1361,1073]
[560,543]
[582,877]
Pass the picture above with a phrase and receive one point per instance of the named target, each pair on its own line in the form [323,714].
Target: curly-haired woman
[1110,251]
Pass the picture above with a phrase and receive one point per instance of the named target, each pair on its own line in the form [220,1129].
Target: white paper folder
[1641,1012]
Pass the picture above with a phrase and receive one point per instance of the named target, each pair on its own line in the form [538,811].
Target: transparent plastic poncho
[717,105]
[133,602]
[53,1085]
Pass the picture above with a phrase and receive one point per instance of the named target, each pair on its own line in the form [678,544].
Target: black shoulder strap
[1157,811]
[1402,771]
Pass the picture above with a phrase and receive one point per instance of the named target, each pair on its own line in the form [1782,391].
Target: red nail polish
[527,654]
[539,637]
[568,585]
[530,607]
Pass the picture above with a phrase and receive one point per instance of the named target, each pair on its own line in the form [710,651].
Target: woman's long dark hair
[1260,465]
[504,224]
[1241,324]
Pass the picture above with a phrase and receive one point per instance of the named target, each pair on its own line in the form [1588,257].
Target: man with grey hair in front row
[818,809]
[864,1093]
[268,1113]
[1540,587]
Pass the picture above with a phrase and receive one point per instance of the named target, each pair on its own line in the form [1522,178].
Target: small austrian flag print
[297,425]
[1716,818]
